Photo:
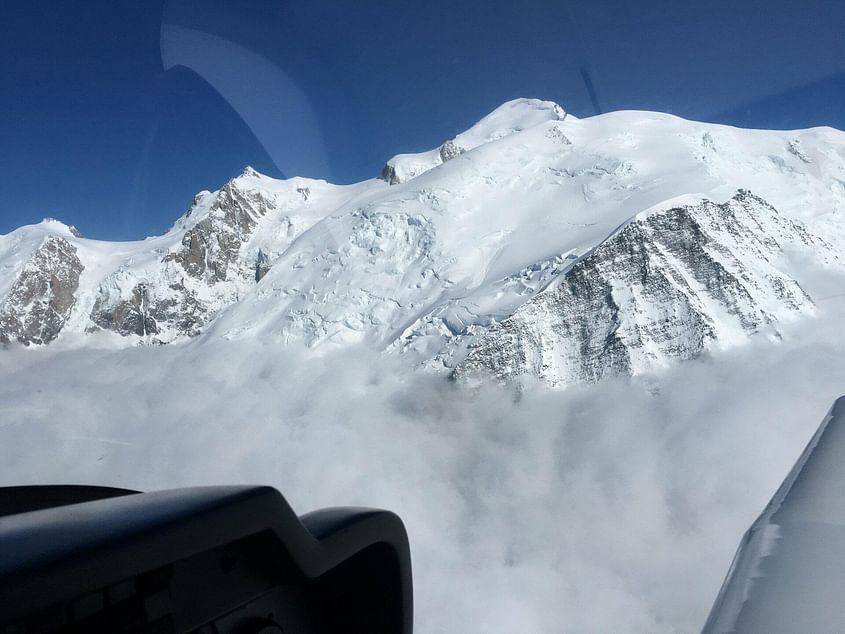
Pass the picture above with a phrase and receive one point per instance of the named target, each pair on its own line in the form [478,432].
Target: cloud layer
[614,507]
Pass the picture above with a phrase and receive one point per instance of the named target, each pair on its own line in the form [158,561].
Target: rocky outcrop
[450,150]
[43,295]
[262,265]
[388,173]
[205,273]
[148,312]
[404,167]
[666,287]
[128,317]
[211,248]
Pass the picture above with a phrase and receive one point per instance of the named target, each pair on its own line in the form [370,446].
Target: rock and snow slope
[532,244]
[167,287]
[668,286]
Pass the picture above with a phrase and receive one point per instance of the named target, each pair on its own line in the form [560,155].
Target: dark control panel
[211,560]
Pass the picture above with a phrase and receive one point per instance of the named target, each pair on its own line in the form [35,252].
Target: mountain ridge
[447,246]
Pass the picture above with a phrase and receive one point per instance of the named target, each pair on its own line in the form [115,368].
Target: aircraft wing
[788,574]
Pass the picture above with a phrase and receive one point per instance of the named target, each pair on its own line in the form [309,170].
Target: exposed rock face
[43,295]
[667,286]
[195,281]
[129,317]
[210,250]
[149,311]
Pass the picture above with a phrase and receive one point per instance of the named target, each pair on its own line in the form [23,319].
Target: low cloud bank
[614,507]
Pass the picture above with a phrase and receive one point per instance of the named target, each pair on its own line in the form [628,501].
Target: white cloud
[614,507]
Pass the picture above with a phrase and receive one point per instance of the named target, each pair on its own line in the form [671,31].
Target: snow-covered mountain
[533,244]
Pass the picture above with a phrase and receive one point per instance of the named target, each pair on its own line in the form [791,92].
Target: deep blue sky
[115,112]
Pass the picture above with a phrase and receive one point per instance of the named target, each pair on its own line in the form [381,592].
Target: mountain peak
[250,172]
[522,108]
[57,226]
[512,116]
